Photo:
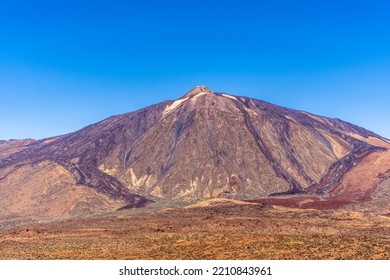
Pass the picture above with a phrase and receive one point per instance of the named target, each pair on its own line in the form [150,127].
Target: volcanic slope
[202,145]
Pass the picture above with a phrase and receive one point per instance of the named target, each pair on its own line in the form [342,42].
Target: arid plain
[214,229]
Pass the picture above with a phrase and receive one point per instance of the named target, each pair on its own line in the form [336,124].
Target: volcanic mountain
[202,145]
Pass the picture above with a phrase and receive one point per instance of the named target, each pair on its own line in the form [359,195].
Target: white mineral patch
[108,171]
[186,192]
[137,181]
[229,96]
[174,105]
[157,192]
[290,118]
[194,183]
[250,111]
[199,94]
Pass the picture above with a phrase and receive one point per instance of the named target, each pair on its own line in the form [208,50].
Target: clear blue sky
[67,64]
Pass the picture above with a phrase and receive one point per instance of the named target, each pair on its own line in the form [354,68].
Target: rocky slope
[202,145]
[10,147]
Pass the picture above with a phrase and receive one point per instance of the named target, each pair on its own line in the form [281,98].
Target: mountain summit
[203,145]
[198,90]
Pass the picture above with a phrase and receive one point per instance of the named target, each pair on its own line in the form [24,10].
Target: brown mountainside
[202,145]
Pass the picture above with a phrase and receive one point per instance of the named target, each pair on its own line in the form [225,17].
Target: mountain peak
[202,89]
[203,145]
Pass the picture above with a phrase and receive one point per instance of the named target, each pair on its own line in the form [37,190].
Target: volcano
[203,145]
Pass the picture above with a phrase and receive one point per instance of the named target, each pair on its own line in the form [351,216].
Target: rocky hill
[202,145]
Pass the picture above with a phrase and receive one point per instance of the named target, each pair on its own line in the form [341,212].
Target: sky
[68,64]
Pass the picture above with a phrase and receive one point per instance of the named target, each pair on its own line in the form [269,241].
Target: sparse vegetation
[229,231]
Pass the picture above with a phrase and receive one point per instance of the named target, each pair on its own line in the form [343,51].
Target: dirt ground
[215,231]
